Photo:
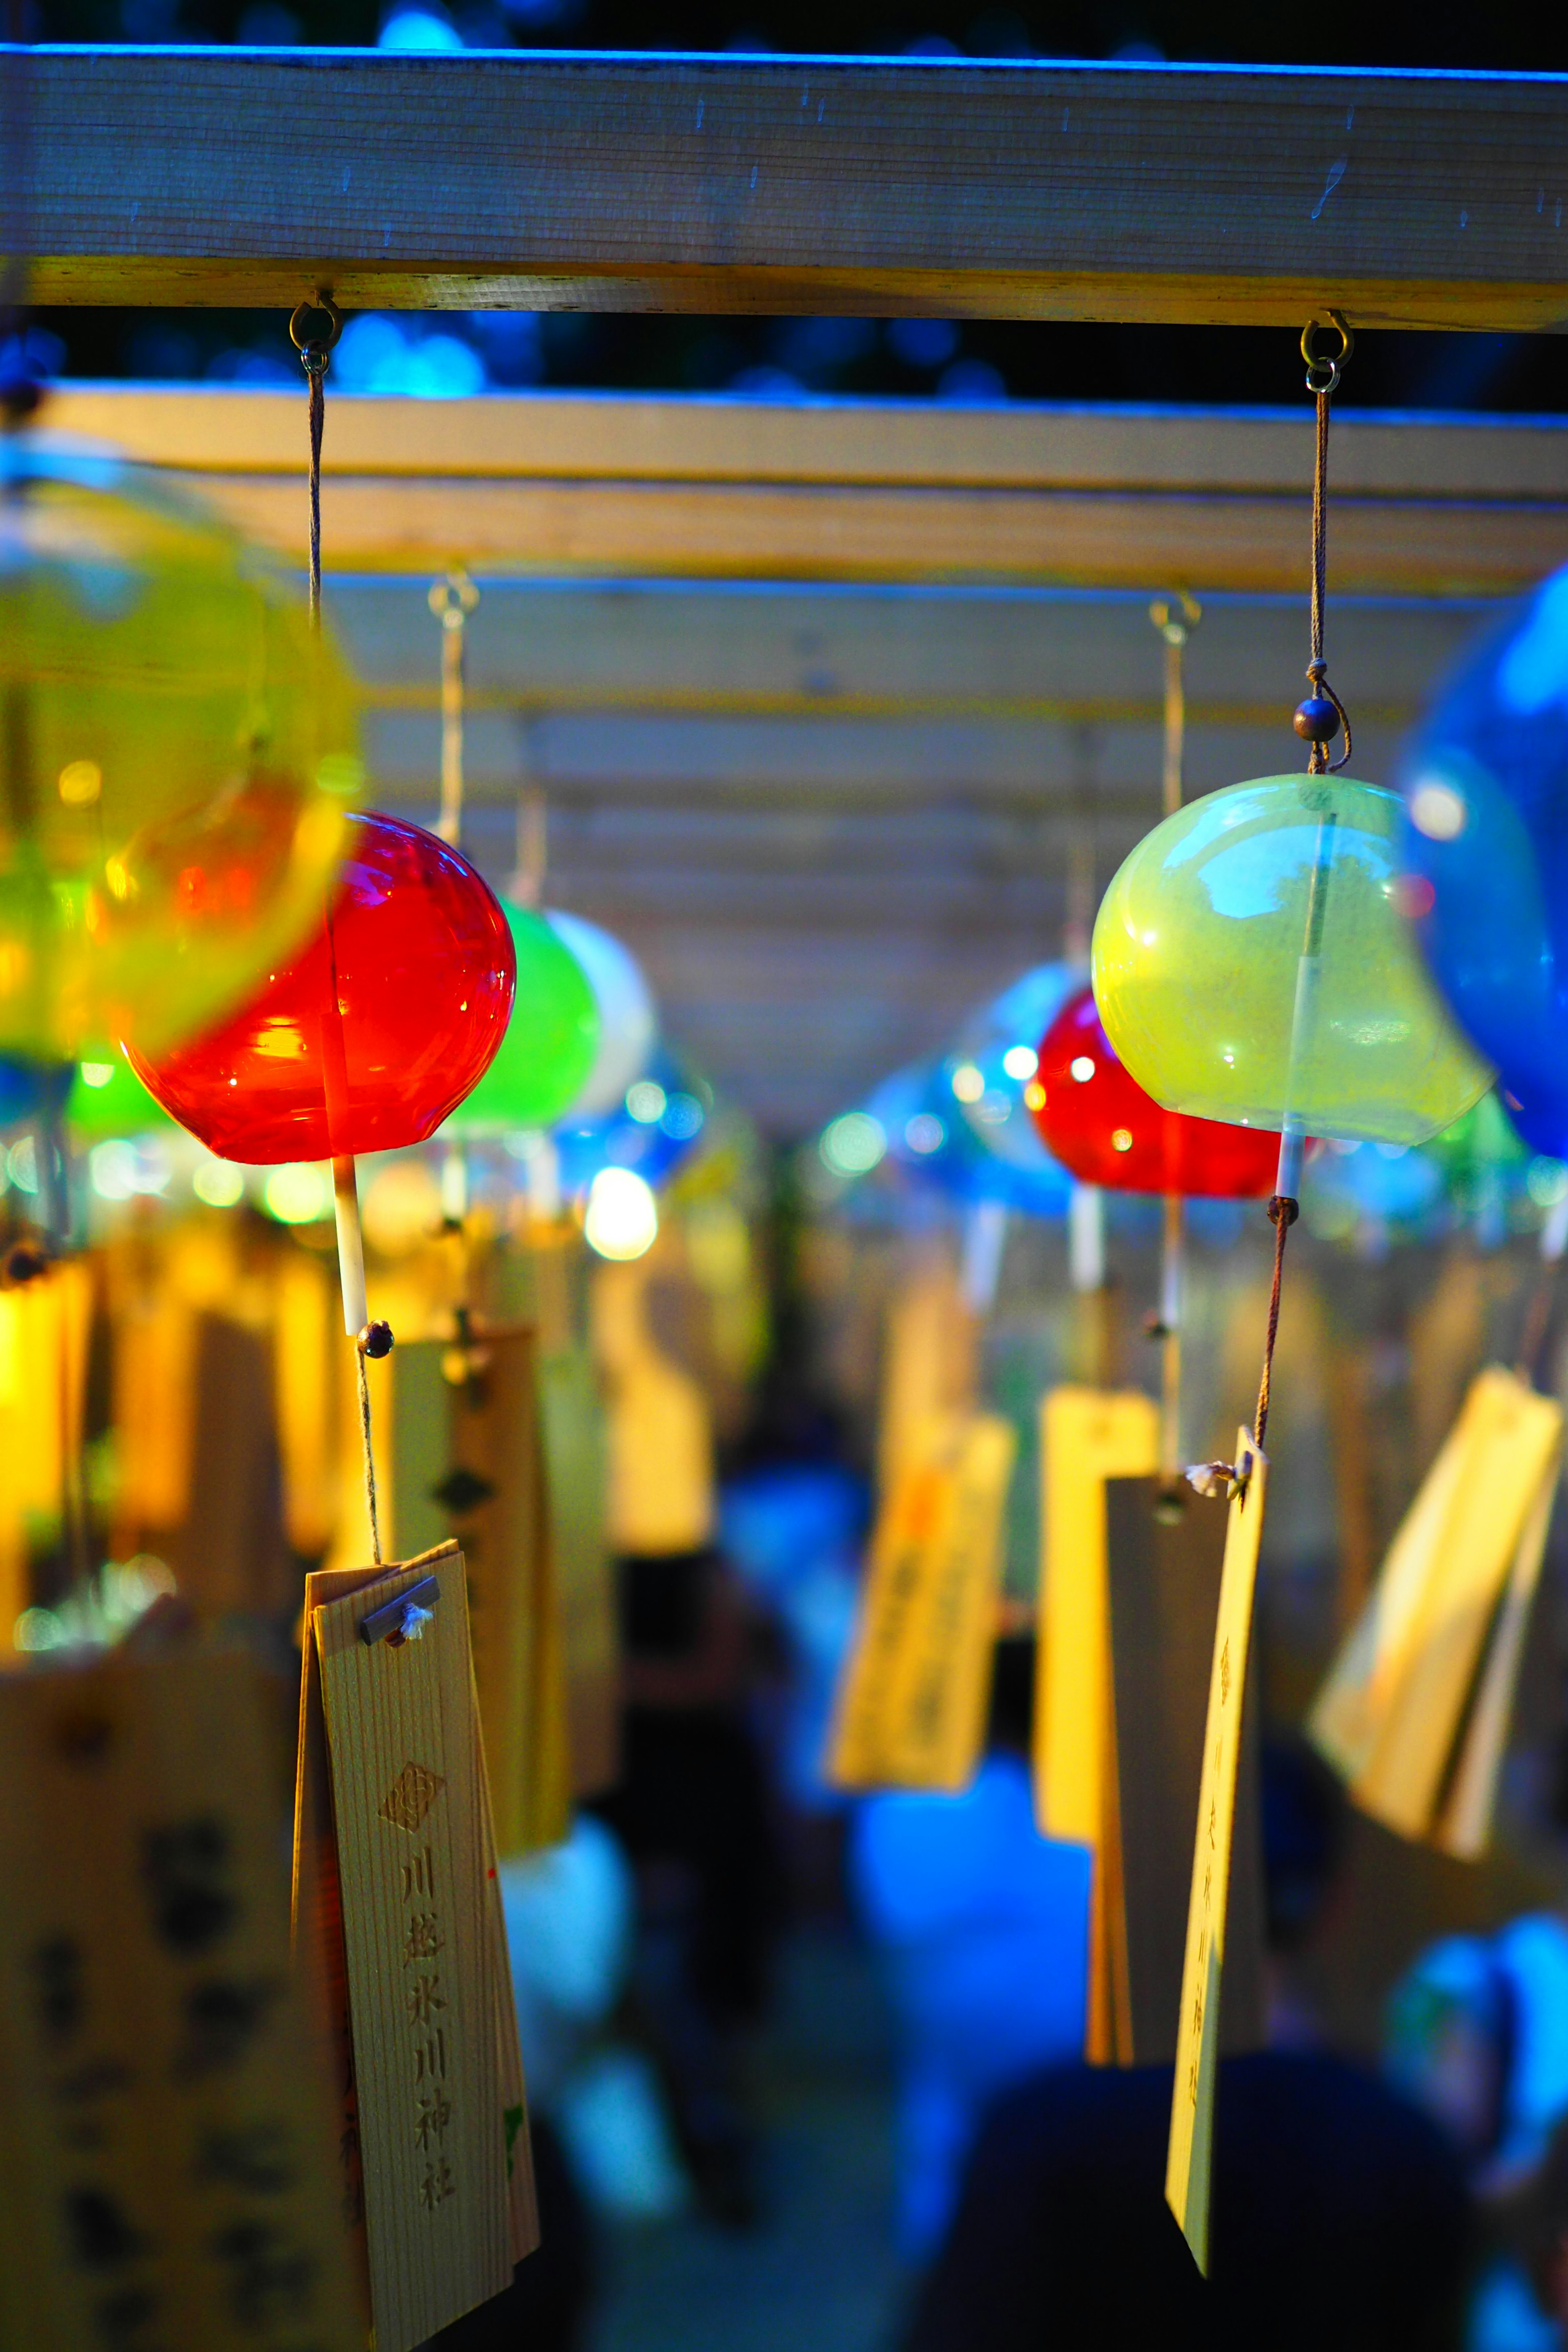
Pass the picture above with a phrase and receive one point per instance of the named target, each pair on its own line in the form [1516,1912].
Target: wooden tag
[573,1423]
[1086,1435]
[1188,2168]
[468,1461]
[1464,1822]
[1415,1712]
[45,1329]
[435,2126]
[912,1708]
[1164,1586]
[660,1494]
[167,2161]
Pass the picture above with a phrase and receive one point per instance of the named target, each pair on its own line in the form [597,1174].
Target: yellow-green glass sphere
[1200,977]
[176,749]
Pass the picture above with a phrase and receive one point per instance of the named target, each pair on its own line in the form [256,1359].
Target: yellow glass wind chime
[1251,965]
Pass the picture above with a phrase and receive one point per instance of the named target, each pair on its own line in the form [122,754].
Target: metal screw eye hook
[452,599]
[313,344]
[1176,627]
[1323,372]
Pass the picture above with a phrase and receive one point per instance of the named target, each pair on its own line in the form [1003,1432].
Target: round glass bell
[628,1023]
[1485,783]
[1251,960]
[106,1098]
[176,752]
[1096,1119]
[371,1037]
[991,1066]
[550,1042]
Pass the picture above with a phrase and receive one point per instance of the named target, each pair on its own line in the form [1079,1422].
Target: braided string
[1322,381]
[314,330]
[316,371]
[1283,1213]
[370,1498]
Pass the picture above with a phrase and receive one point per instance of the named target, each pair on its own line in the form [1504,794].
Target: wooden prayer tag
[395,1886]
[572,1427]
[1164,1584]
[168,2162]
[468,1461]
[1086,1435]
[1415,1713]
[1188,2166]
[911,1706]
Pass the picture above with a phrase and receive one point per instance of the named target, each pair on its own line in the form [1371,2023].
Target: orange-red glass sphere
[1096,1119]
[367,1040]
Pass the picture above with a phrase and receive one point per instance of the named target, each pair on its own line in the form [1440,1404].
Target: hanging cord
[451,601]
[1175,617]
[526,884]
[1543,1296]
[1322,715]
[361,1352]
[1283,1214]
[314,331]
[1317,721]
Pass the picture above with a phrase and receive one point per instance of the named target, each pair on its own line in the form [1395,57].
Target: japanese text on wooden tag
[429,2004]
[911,1710]
[167,2164]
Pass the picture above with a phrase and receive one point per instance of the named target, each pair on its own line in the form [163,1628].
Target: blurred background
[765,2022]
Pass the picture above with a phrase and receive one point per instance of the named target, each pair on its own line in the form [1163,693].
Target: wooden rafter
[774,185]
[648,488]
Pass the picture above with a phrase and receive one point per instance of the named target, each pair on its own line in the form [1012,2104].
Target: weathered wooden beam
[890,492]
[743,184]
[598,437]
[761,651]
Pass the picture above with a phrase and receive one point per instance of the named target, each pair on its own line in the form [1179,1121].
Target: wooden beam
[877,766]
[717,438]
[1203,193]
[875,491]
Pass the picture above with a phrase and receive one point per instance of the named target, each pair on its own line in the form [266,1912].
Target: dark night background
[913,358]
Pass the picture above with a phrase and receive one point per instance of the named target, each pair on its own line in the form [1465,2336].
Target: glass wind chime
[1252,964]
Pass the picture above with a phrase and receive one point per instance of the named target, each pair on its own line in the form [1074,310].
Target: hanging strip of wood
[1086,1435]
[941,1689]
[1415,1711]
[1189,2159]
[911,1701]
[1164,1580]
[414,1859]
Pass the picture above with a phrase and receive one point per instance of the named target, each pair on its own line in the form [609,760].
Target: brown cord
[318,418]
[314,343]
[370,1502]
[1322,382]
[1283,1214]
[1174,617]
[1537,1323]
